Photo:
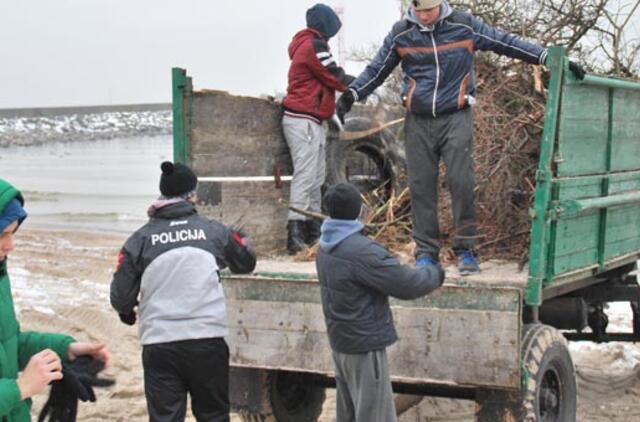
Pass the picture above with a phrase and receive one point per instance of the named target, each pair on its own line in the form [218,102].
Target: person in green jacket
[29,361]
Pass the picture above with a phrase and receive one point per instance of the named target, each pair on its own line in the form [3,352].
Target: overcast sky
[86,52]
[90,52]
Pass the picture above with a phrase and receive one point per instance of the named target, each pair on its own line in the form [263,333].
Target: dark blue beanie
[12,212]
[343,201]
[323,19]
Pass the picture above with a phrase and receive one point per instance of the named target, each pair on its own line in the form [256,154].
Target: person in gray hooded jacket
[357,276]
[171,266]
[435,46]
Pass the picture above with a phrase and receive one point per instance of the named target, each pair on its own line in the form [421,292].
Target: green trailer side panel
[625,182]
[586,216]
[576,243]
[579,188]
[591,186]
[583,130]
[623,231]
[626,130]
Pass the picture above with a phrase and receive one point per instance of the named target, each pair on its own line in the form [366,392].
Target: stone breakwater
[33,130]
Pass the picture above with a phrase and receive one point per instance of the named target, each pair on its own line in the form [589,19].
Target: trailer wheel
[368,162]
[288,397]
[549,383]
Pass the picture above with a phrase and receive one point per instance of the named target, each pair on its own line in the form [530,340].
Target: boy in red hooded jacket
[314,77]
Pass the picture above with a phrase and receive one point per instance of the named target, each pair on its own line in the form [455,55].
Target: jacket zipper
[435,90]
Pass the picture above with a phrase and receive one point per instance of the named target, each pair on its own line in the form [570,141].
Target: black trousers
[198,367]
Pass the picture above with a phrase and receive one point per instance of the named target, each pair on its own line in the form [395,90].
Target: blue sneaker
[467,263]
[425,261]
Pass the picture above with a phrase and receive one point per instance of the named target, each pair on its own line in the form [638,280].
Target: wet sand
[61,283]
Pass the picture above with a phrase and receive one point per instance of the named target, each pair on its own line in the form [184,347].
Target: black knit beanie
[343,201]
[176,180]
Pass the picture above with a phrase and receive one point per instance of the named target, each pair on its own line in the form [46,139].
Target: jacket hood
[323,19]
[445,11]
[7,193]
[300,38]
[169,209]
[11,205]
[333,232]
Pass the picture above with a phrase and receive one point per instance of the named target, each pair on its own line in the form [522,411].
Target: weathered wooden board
[254,207]
[625,148]
[495,273]
[576,242]
[623,231]
[458,335]
[583,130]
[228,140]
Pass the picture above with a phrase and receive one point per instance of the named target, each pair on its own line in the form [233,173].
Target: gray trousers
[306,140]
[427,140]
[363,388]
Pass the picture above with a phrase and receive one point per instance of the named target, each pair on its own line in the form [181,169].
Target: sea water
[104,185]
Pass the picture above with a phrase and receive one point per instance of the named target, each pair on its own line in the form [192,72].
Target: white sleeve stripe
[543,57]
[323,54]
[328,61]
[495,41]
[355,94]
[393,43]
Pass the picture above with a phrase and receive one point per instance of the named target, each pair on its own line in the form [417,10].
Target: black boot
[313,231]
[295,236]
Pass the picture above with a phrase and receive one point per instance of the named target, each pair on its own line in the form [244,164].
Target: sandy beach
[61,283]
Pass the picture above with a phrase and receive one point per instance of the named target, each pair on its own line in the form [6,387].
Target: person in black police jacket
[170,269]
[357,276]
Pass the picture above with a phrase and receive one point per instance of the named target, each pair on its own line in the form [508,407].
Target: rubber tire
[545,349]
[382,147]
[274,409]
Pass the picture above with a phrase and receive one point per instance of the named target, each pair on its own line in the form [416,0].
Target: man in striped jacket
[435,45]
[314,77]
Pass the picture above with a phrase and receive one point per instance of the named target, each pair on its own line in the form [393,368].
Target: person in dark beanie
[435,46]
[314,77]
[29,361]
[170,269]
[357,276]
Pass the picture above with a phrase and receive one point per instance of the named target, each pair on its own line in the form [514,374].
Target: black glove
[129,318]
[345,102]
[79,378]
[577,70]
[239,254]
